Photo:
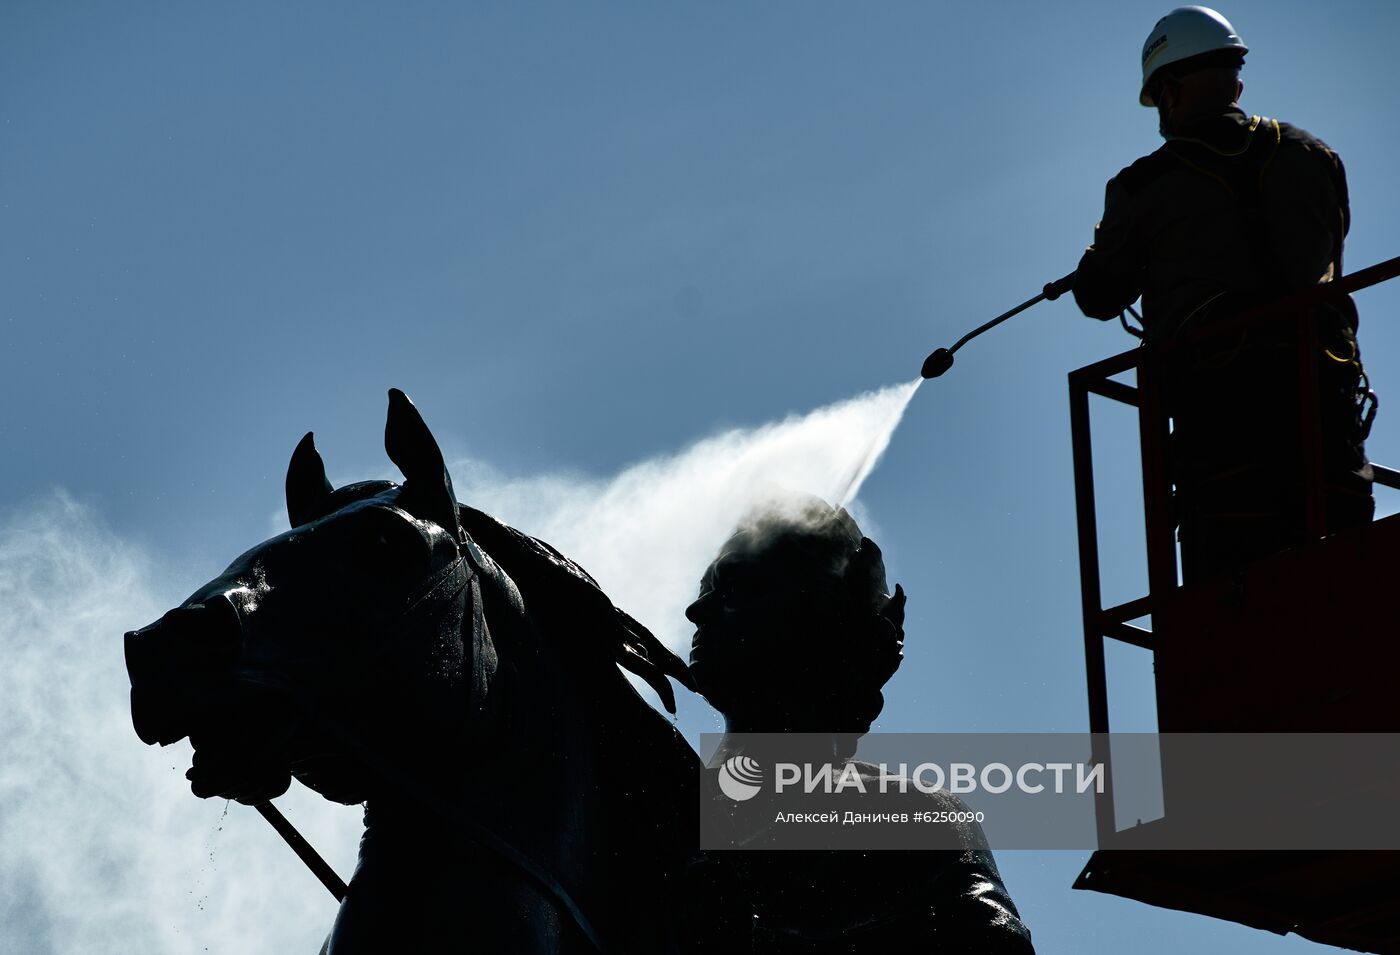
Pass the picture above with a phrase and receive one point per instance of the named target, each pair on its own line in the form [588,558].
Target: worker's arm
[1110,274]
[1308,211]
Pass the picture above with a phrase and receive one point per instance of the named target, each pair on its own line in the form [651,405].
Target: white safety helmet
[1184,33]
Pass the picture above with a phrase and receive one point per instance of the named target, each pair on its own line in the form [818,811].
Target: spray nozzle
[938,361]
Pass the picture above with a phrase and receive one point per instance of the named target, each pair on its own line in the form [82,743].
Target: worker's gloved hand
[1059,287]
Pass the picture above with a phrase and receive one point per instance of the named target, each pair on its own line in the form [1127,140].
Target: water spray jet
[941,359]
[879,440]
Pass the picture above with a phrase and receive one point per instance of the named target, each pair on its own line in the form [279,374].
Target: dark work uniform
[1236,212]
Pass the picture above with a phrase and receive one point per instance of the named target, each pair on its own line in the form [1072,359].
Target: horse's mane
[549,581]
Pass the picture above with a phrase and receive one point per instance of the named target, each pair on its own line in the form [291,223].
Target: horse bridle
[444,585]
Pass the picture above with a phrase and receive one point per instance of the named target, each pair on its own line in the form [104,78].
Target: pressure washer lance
[942,358]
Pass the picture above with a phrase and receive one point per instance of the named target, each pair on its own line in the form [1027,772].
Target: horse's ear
[308,491]
[427,489]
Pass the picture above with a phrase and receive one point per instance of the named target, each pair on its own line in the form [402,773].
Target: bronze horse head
[458,677]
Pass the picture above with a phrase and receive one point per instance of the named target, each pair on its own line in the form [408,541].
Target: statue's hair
[813,527]
[852,657]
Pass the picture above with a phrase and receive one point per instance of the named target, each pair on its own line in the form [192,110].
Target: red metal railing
[1100,622]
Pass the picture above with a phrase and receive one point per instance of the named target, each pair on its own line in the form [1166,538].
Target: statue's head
[796,630]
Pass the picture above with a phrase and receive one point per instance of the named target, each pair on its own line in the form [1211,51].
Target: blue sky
[583,238]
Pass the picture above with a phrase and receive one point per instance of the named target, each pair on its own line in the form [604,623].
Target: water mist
[102,848]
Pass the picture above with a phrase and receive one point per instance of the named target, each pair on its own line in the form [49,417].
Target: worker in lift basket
[1233,212]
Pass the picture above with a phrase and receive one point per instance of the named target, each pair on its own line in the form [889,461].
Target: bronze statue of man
[796,632]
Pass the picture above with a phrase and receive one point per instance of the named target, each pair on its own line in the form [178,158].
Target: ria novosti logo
[740,778]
